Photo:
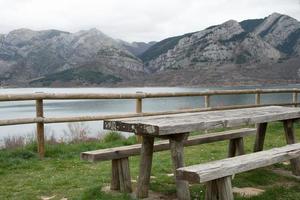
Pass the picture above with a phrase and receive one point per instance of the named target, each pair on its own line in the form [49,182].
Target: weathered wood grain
[40,128]
[145,167]
[120,177]
[236,147]
[260,137]
[257,98]
[139,109]
[49,120]
[240,149]
[115,181]
[211,192]
[124,175]
[206,101]
[291,139]
[231,148]
[295,98]
[176,146]
[219,189]
[133,150]
[187,122]
[36,96]
[217,169]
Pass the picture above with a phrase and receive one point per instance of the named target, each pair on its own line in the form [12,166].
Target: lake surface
[59,108]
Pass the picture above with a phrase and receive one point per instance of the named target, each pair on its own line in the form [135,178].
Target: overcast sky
[135,20]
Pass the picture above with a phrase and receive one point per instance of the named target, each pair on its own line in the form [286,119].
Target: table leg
[176,146]
[290,139]
[145,167]
[260,137]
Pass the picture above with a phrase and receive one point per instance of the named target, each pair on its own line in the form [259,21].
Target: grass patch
[62,174]
[112,136]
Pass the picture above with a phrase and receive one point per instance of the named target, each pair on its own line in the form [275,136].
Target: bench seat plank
[133,150]
[226,167]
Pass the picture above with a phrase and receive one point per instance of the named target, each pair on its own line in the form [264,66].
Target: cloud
[135,20]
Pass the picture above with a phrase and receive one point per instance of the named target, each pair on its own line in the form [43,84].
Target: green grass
[63,174]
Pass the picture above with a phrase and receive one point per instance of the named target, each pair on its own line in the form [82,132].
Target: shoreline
[232,84]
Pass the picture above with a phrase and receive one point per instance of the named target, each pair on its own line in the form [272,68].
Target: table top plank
[187,122]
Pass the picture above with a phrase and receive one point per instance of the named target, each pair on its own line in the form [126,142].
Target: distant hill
[137,48]
[248,52]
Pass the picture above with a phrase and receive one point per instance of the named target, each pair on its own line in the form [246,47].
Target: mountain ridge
[27,54]
[272,38]
[58,58]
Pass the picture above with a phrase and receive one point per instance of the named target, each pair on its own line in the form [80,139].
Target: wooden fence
[40,119]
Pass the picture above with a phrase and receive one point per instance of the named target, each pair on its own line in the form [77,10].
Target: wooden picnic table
[176,128]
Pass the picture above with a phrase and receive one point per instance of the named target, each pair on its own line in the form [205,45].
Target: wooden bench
[217,174]
[121,179]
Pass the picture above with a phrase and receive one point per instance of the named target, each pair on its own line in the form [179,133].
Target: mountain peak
[231,25]
[279,30]
[21,31]
[231,22]
[275,15]
[20,36]
[94,30]
[254,25]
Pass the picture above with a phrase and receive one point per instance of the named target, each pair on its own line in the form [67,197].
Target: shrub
[77,132]
[14,142]
[112,136]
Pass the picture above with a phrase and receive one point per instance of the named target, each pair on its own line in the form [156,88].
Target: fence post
[206,105]
[295,97]
[206,101]
[139,109]
[257,97]
[40,128]
[257,101]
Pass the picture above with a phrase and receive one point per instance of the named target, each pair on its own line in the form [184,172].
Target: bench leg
[290,139]
[219,189]
[124,175]
[260,137]
[176,146]
[236,147]
[145,167]
[115,181]
[120,176]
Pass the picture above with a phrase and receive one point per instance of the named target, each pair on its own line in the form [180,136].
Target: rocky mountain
[282,32]
[250,42]
[52,56]
[248,52]
[136,48]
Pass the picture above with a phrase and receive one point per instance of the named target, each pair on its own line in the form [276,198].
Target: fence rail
[138,95]
[40,120]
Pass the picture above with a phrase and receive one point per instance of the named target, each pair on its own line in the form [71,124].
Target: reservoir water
[59,108]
